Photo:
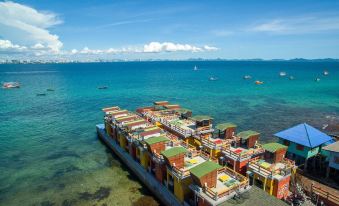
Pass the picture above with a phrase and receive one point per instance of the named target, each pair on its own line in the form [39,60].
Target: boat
[195,68]
[291,78]
[50,90]
[317,79]
[213,78]
[103,87]
[41,94]
[10,85]
[258,82]
[282,74]
[325,73]
[247,77]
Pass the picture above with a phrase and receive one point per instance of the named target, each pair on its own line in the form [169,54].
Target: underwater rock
[68,202]
[145,200]
[62,154]
[47,203]
[100,194]
[62,172]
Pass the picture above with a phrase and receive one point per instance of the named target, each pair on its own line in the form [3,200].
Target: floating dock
[185,160]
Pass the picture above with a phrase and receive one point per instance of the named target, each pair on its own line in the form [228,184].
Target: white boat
[247,77]
[213,78]
[282,74]
[325,72]
[10,85]
[317,79]
[195,68]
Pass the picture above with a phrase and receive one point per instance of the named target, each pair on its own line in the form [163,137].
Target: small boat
[41,94]
[10,85]
[317,79]
[282,74]
[103,87]
[50,90]
[247,77]
[291,78]
[325,73]
[213,78]
[258,82]
[195,68]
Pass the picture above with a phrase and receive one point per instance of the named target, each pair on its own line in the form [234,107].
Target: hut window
[300,147]
[286,143]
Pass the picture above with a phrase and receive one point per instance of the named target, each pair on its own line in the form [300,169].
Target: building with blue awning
[303,141]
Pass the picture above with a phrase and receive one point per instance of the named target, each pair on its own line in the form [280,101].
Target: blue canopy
[304,134]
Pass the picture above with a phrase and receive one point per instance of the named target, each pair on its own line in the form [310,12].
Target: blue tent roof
[304,134]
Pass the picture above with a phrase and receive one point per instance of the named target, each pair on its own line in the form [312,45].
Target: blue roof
[304,134]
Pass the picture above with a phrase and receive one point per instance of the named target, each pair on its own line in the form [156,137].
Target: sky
[169,29]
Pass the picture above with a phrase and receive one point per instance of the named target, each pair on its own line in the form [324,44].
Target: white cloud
[156,47]
[152,47]
[210,48]
[38,46]
[298,25]
[6,45]
[21,23]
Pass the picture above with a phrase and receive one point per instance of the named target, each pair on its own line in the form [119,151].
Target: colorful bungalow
[247,139]
[226,130]
[214,184]
[273,178]
[155,146]
[303,142]
[274,152]
[333,165]
[176,180]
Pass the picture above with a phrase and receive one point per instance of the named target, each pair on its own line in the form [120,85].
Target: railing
[185,133]
[215,195]
[325,194]
[212,144]
[254,165]
[180,173]
[248,154]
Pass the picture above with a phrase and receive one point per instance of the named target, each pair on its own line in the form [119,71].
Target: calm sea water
[50,154]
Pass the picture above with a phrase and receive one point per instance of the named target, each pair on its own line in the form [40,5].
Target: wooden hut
[156,144]
[226,130]
[274,152]
[205,174]
[247,139]
[175,156]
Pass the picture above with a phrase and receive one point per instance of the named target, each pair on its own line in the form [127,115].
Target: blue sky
[170,29]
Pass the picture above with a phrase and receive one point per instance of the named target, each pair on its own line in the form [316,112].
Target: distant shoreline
[164,60]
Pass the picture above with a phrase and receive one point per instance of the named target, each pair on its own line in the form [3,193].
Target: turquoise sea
[50,154]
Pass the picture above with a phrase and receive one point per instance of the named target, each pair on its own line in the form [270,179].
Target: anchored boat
[10,85]
[282,74]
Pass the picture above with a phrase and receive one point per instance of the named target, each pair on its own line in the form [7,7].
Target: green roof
[183,110]
[173,151]
[154,140]
[273,147]
[225,126]
[247,134]
[135,121]
[205,168]
[201,118]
